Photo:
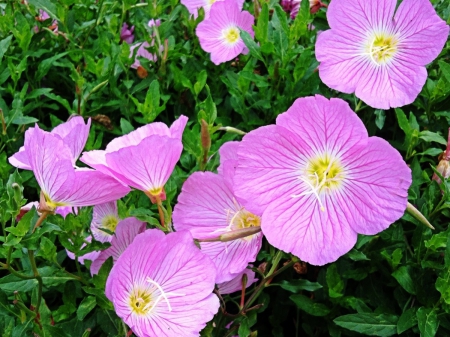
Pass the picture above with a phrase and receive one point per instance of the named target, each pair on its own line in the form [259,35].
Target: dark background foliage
[396,282]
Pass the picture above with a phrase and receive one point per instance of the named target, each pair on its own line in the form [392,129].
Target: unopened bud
[141,72]
[262,267]
[206,138]
[239,233]
[244,281]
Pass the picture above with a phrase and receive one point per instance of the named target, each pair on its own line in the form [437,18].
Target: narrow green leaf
[407,320]
[309,306]
[445,68]
[262,25]
[86,306]
[251,45]
[295,286]
[4,45]
[47,6]
[125,126]
[369,323]
[334,281]
[429,136]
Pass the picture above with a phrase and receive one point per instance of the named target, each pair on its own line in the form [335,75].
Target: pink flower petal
[236,283]
[20,159]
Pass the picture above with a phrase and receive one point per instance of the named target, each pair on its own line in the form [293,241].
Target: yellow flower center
[211,1]
[140,300]
[322,175]
[231,35]
[382,48]
[155,191]
[110,222]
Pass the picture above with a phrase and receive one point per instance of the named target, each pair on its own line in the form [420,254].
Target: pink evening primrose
[207,207]
[162,286]
[126,34]
[220,33]
[142,48]
[319,180]
[125,232]
[104,216]
[236,284]
[194,5]
[144,158]
[293,6]
[377,52]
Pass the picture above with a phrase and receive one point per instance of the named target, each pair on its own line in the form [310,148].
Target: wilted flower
[220,33]
[380,56]
[162,285]
[194,5]
[319,180]
[125,232]
[208,208]
[126,34]
[236,283]
[144,158]
[104,216]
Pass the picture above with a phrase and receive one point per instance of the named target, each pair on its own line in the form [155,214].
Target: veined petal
[228,151]
[20,159]
[236,283]
[104,216]
[148,164]
[74,133]
[177,127]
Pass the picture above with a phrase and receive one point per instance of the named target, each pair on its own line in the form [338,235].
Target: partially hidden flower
[126,34]
[125,232]
[51,159]
[220,33]
[142,48]
[319,180]
[377,52]
[237,282]
[43,15]
[194,5]
[104,216]
[162,285]
[293,6]
[63,211]
[444,163]
[207,207]
[92,256]
[144,158]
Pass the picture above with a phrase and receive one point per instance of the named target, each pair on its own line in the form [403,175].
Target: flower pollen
[231,34]
[382,48]
[110,222]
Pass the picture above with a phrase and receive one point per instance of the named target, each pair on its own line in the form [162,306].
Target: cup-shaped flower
[73,133]
[125,232]
[379,55]
[144,158]
[194,5]
[126,34]
[318,180]
[51,161]
[236,283]
[208,208]
[220,33]
[104,216]
[162,285]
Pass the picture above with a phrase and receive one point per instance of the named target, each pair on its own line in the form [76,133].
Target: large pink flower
[144,158]
[379,55]
[208,208]
[220,33]
[318,180]
[51,159]
[194,5]
[162,285]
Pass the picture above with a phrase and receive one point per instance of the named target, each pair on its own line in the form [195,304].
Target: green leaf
[4,45]
[369,323]
[262,25]
[309,306]
[334,281]
[24,224]
[356,255]
[407,320]
[300,26]
[403,277]
[201,81]
[86,306]
[295,286]
[429,136]
[380,118]
[428,322]
[251,45]
[47,6]
[445,68]
[125,126]
[44,66]
[11,283]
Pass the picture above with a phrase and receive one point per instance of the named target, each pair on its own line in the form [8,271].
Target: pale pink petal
[177,128]
[20,159]
[104,215]
[149,164]
[236,283]
[228,151]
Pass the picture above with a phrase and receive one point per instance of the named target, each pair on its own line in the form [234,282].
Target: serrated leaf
[369,323]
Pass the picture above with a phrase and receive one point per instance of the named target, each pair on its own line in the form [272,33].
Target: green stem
[38,278]
[23,307]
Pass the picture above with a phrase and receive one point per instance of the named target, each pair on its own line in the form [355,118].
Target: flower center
[321,175]
[244,219]
[110,222]
[382,48]
[211,1]
[231,35]
[140,299]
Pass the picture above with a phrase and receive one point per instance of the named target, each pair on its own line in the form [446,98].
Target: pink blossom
[126,34]
[51,159]
[92,256]
[104,216]
[378,54]
[207,207]
[144,158]
[194,5]
[125,233]
[236,283]
[43,15]
[142,47]
[293,6]
[162,286]
[220,33]
[319,180]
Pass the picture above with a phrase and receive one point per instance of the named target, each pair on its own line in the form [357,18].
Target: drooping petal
[148,164]
[236,283]
[126,231]
[20,159]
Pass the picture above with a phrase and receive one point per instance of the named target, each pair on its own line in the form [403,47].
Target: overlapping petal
[236,283]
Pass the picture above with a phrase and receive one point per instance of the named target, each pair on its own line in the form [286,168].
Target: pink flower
[293,6]
[52,161]
[73,133]
[208,208]
[319,180]
[144,158]
[43,15]
[92,256]
[126,34]
[194,5]
[220,35]
[125,233]
[379,55]
[236,283]
[104,216]
[162,285]
[143,48]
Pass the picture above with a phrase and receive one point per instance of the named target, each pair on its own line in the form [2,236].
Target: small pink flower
[162,285]
[194,5]
[318,180]
[126,34]
[104,216]
[43,15]
[144,158]
[220,33]
[377,52]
